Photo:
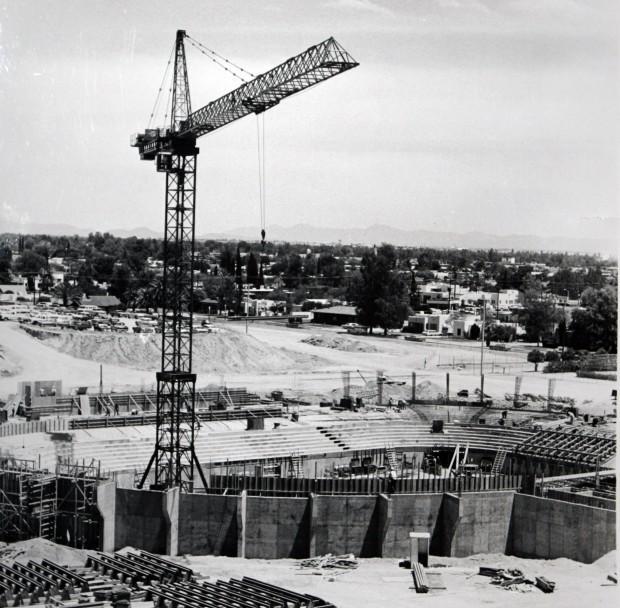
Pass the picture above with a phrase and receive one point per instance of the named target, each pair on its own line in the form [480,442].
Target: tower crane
[174,151]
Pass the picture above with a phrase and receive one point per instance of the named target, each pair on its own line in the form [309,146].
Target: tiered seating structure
[221,443]
[400,434]
[575,446]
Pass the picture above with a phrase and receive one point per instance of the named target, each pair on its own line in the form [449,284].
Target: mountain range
[606,243]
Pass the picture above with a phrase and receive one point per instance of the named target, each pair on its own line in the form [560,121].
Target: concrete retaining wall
[139,520]
[484,523]
[410,512]
[346,524]
[208,524]
[546,528]
[277,527]
[368,526]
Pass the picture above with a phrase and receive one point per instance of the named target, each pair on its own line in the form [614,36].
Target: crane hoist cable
[262,191]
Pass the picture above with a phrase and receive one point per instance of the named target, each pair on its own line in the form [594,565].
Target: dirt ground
[380,583]
[307,361]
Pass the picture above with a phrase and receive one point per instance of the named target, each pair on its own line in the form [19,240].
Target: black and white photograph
[309,304]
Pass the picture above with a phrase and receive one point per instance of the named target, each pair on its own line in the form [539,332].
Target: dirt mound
[8,366]
[39,548]
[222,352]
[428,390]
[339,343]
[608,563]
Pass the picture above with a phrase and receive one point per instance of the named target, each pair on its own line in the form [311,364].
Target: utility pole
[484,308]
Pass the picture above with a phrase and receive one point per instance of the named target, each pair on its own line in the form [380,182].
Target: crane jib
[315,65]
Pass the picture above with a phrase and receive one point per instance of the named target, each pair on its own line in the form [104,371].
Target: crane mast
[175,153]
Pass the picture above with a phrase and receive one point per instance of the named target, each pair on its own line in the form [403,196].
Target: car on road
[355,328]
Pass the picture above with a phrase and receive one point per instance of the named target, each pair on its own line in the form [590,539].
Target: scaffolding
[59,506]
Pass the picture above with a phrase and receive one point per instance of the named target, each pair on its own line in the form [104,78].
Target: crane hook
[262,238]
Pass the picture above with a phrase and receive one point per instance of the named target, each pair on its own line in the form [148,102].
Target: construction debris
[546,586]
[515,580]
[329,561]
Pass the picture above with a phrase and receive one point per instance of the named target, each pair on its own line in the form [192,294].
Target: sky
[482,115]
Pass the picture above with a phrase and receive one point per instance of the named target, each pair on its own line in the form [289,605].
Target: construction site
[321,472]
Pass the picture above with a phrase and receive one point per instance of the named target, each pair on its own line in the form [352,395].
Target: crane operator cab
[163,162]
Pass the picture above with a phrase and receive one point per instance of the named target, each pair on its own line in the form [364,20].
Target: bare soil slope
[222,352]
[9,365]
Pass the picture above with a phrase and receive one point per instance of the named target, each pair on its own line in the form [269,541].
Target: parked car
[355,328]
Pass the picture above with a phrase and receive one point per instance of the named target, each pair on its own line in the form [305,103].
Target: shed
[335,315]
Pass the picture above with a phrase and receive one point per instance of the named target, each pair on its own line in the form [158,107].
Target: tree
[500,333]
[227,260]
[5,263]
[310,266]
[120,283]
[330,269]
[474,332]
[382,299]
[261,276]
[539,315]
[414,293]
[251,269]
[69,294]
[150,295]
[596,324]
[29,262]
[562,333]
[535,356]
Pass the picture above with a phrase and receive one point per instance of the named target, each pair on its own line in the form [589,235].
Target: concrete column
[450,513]
[242,506]
[312,500]
[106,505]
[384,509]
[413,380]
[172,498]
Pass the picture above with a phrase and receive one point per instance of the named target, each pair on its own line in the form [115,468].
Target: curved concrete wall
[271,527]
